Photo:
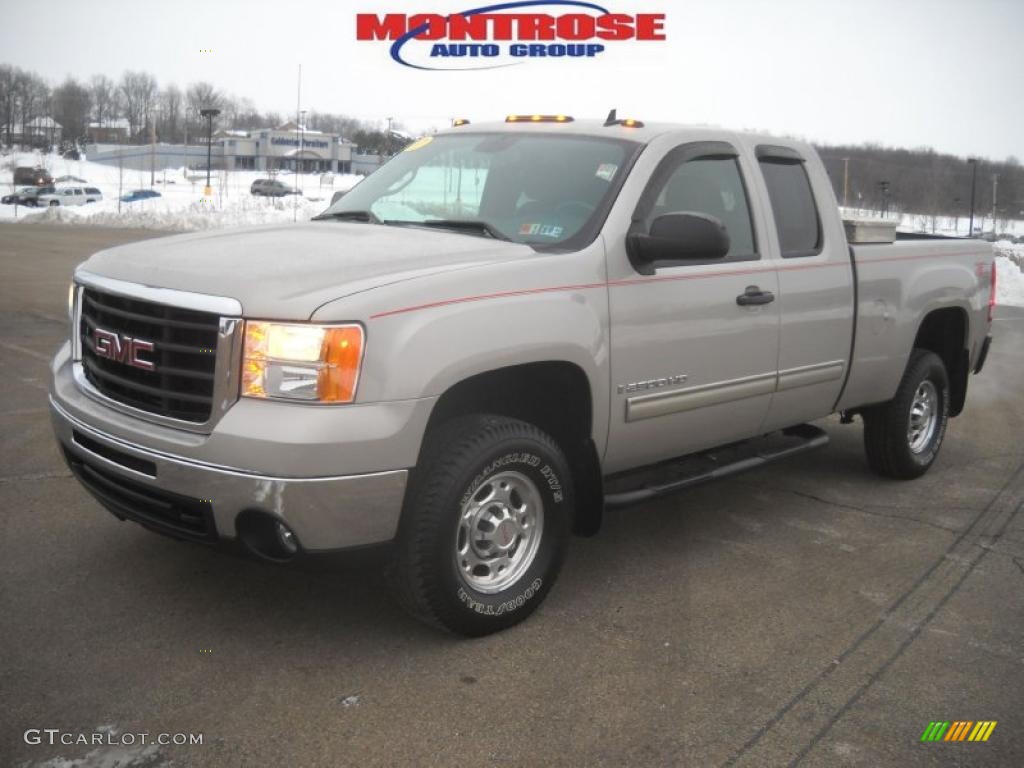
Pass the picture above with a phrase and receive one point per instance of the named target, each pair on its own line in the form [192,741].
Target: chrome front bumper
[325,513]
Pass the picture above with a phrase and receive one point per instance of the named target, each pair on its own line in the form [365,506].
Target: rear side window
[796,215]
[92,191]
[712,186]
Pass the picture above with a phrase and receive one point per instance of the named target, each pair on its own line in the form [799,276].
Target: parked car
[69,196]
[17,197]
[37,176]
[29,196]
[272,188]
[140,194]
[622,311]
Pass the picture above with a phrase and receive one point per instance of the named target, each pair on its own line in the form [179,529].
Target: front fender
[424,336]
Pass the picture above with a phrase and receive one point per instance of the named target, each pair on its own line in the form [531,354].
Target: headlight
[312,363]
[71,300]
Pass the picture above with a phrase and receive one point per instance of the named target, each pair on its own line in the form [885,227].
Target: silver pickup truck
[506,329]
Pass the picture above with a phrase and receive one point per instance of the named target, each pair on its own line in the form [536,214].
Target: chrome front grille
[182,383]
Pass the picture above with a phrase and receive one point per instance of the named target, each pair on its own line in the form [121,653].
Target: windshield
[539,189]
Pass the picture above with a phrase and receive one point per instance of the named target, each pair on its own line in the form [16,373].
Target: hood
[286,271]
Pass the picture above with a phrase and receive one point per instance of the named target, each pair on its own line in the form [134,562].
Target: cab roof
[643,134]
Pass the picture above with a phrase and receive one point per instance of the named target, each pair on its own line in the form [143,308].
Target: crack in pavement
[26,351]
[810,714]
[33,476]
[855,508]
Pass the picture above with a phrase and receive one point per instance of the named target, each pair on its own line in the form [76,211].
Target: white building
[288,147]
[38,132]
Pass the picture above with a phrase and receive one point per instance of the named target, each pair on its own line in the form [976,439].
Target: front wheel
[485,525]
[903,437]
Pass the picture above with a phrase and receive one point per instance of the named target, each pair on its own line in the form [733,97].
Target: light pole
[302,140]
[209,113]
[974,184]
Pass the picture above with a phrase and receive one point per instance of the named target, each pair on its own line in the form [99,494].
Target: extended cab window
[796,215]
[712,186]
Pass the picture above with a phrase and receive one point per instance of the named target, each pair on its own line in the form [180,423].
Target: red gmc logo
[122,349]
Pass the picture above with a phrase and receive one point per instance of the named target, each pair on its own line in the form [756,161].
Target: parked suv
[35,176]
[69,196]
[272,188]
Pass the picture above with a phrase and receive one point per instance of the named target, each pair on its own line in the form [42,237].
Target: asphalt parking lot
[805,613]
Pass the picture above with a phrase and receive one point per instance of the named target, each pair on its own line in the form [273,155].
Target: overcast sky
[913,73]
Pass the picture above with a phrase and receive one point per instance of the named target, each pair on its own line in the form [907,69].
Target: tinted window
[711,186]
[92,190]
[796,215]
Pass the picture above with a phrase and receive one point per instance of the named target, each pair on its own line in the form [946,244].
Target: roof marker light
[538,119]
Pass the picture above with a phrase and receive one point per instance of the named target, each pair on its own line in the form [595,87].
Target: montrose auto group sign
[506,33]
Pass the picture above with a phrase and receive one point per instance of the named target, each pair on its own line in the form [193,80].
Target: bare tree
[200,95]
[33,96]
[105,102]
[71,105]
[8,100]
[170,110]
[139,91]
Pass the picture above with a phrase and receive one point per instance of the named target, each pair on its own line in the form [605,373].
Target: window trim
[673,159]
[779,155]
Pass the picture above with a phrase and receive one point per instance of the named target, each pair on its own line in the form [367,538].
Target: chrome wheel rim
[499,532]
[924,416]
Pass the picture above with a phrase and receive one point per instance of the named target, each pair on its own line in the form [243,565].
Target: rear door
[816,294]
[691,366]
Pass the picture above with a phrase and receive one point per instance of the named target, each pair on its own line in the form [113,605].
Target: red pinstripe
[637,281]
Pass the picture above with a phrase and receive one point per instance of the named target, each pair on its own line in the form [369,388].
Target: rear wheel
[485,525]
[902,437]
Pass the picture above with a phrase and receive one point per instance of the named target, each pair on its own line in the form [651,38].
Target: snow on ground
[938,225]
[182,205]
[1009,274]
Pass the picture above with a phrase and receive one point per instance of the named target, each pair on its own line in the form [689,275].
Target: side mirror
[337,196]
[677,238]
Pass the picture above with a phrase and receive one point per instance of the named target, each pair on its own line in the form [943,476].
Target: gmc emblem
[122,349]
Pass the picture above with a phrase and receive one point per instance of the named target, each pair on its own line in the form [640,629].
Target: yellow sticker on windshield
[419,144]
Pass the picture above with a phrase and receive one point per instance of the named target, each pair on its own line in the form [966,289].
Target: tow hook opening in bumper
[267,536]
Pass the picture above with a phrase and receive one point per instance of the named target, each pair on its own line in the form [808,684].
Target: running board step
[646,483]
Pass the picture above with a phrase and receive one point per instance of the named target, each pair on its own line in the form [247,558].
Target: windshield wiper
[368,216]
[460,225]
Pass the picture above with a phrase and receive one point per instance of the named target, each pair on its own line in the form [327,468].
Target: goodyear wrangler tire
[485,525]
[903,437]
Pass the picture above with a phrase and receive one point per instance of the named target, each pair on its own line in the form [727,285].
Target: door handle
[754,296]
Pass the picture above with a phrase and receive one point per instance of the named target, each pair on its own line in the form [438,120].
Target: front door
[693,363]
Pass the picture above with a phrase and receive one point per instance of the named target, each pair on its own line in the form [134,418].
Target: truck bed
[898,284]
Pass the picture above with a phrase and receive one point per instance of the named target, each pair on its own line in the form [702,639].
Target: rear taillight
[992,293]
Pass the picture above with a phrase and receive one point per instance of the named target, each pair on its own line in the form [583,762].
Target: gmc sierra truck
[506,329]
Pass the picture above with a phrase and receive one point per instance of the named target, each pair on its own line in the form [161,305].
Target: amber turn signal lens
[341,354]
